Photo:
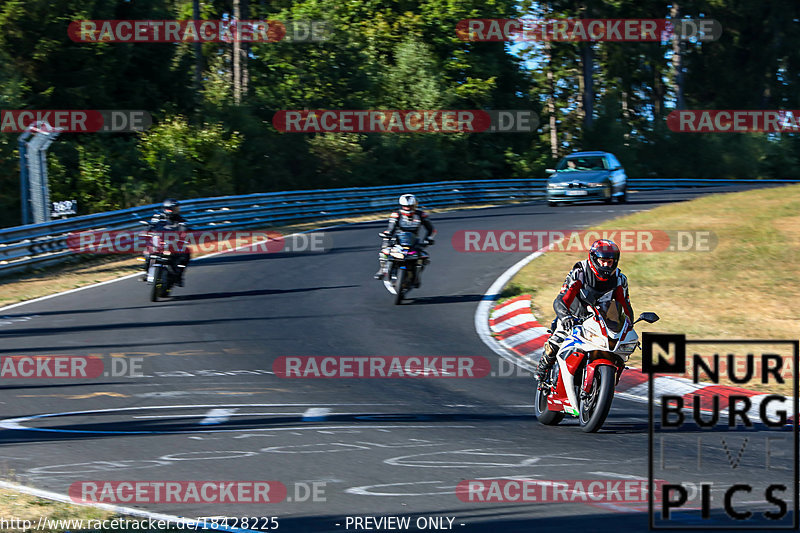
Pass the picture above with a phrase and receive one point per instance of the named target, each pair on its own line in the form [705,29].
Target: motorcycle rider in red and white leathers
[590,281]
[408,218]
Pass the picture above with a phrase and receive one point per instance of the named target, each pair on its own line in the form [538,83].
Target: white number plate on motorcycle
[151,274]
[576,193]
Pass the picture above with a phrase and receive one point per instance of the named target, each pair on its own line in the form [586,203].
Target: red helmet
[605,249]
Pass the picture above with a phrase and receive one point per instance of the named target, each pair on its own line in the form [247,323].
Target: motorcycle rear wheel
[540,408]
[594,412]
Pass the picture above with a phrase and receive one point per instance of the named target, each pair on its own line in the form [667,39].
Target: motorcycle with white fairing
[590,362]
[406,258]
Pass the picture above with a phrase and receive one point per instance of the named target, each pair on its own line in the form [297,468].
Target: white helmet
[408,203]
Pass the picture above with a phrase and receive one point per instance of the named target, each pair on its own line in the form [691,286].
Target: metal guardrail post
[22,143]
[35,192]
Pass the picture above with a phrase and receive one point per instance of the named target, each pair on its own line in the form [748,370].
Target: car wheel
[624,196]
[609,190]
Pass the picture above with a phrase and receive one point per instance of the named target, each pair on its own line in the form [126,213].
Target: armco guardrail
[36,245]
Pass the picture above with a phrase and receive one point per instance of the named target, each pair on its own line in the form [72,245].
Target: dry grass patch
[747,287]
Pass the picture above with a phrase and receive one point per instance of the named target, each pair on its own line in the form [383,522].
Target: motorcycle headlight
[596,185]
[398,255]
[552,186]
[627,348]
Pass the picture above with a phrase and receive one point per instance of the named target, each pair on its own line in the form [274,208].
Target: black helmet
[171,208]
[603,248]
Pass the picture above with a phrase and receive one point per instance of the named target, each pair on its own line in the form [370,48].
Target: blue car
[583,176]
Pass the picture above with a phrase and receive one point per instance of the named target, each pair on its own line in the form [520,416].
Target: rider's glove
[384,234]
[568,322]
[427,242]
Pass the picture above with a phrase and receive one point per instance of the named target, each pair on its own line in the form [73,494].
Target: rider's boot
[381,273]
[546,362]
[146,269]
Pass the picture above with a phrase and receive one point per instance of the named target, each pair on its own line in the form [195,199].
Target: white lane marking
[230,415]
[365,490]
[316,413]
[6,320]
[618,475]
[447,487]
[16,423]
[208,455]
[217,416]
[460,459]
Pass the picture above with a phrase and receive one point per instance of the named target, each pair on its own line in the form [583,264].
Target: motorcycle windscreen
[614,315]
[406,238]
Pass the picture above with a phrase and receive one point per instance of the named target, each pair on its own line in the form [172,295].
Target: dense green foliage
[387,54]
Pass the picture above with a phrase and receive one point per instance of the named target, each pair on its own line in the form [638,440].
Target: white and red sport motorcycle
[590,362]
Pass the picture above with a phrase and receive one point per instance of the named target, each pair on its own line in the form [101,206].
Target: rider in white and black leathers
[169,219]
[408,218]
[591,280]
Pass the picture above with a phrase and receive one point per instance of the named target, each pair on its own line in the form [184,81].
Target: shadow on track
[96,425]
[457,298]
[255,292]
[48,428]
[133,325]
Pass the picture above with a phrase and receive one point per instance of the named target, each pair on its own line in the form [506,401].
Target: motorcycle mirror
[647,317]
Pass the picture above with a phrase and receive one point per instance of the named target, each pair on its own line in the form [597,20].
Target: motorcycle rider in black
[170,219]
[593,280]
[409,218]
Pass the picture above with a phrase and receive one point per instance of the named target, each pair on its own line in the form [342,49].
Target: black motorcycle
[162,266]
[407,258]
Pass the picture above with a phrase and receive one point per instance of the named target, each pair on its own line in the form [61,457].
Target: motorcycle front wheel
[165,283]
[543,413]
[594,409]
[155,288]
[398,286]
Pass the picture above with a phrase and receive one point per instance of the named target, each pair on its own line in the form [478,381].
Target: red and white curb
[514,327]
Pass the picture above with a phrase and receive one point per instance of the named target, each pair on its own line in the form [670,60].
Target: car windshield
[583,163]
